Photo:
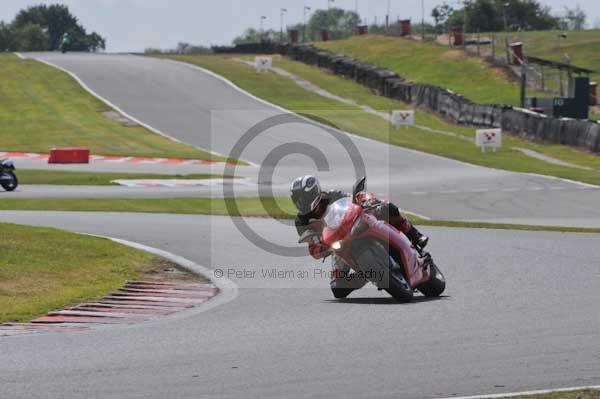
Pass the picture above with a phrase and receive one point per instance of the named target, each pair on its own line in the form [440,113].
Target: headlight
[336,245]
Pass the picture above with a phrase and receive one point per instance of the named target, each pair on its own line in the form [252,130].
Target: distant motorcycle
[8,179]
[377,250]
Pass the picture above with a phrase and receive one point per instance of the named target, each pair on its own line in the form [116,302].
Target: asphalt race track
[520,311]
[202,110]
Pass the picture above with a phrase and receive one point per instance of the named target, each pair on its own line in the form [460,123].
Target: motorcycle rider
[312,204]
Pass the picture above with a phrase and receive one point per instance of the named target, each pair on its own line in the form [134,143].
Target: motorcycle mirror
[359,186]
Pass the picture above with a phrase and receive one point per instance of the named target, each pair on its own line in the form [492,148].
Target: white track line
[415,214]
[284,110]
[119,110]
[524,393]
[563,179]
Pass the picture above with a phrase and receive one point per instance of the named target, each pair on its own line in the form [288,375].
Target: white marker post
[263,64]
[485,138]
[403,118]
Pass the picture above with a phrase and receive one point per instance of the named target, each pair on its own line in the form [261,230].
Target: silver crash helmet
[306,194]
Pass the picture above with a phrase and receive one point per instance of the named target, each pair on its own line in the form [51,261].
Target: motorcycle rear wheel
[374,259]
[10,185]
[436,284]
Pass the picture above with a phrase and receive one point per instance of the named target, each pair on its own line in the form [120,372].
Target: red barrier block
[457,35]
[593,93]
[69,155]
[404,27]
[517,53]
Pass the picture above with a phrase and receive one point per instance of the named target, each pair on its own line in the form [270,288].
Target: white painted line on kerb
[120,111]
[524,393]
[228,290]
[20,56]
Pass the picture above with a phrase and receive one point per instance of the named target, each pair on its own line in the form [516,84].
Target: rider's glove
[318,250]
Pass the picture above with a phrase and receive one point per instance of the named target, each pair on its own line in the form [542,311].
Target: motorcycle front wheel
[374,260]
[10,185]
[436,284]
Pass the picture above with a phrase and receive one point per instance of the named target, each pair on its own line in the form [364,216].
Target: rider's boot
[416,238]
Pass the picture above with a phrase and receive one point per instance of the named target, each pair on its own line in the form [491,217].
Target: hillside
[42,107]
[582,47]
[432,64]
[468,75]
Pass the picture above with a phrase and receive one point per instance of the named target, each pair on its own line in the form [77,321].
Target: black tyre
[436,284]
[374,260]
[10,185]
[341,293]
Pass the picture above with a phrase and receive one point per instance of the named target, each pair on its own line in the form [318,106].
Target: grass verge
[580,394]
[286,93]
[42,107]
[68,178]
[59,269]
[278,208]
[432,64]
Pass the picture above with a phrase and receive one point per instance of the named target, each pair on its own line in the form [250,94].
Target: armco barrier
[69,155]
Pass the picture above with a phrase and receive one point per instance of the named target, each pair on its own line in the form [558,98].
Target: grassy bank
[42,107]
[286,93]
[279,208]
[432,64]
[581,47]
[59,269]
[68,178]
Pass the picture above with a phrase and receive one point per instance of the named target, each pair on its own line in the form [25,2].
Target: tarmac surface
[520,311]
[198,108]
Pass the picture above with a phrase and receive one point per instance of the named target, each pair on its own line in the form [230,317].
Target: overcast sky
[132,25]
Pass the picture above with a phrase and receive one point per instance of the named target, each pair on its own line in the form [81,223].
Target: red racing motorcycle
[376,250]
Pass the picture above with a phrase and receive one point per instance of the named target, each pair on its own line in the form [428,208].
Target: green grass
[42,107]
[278,208]
[580,394]
[284,92]
[189,206]
[432,64]
[61,177]
[44,269]
[582,47]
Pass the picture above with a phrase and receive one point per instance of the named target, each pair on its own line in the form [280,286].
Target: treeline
[500,15]
[181,48]
[43,27]
[339,24]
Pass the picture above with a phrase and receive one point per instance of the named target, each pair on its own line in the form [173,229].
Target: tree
[96,42]
[574,18]
[250,35]
[489,16]
[441,14]
[340,23]
[30,37]
[55,20]
[7,37]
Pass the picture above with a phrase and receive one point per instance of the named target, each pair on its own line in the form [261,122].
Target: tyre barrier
[69,155]
[519,122]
